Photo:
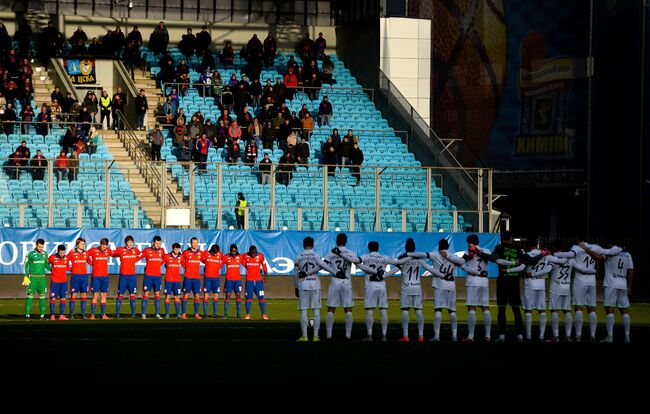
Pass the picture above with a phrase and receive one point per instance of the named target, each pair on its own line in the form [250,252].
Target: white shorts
[478,296]
[559,302]
[444,299]
[376,298]
[584,295]
[410,301]
[308,299]
[534,299]
[339,296]
[616,298]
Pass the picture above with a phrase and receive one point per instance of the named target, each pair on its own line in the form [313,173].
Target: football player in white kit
[307,283]
[478,294]
[340,288]
[374,265]
[411,289]
[443,282]
[584,285]
[619,273]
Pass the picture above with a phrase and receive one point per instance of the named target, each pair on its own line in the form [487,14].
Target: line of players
[513,263]
[190,260]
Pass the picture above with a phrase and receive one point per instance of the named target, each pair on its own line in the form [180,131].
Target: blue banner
[280,248]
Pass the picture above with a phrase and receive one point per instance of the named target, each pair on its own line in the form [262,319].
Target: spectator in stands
[307,126]
[245,120]
[67,103]
[233,82]
[241,99]
[141,107]
[183,84]
[328,71]
[356,159]
[290,83]
[314,84]
[227,100]
[310,69]
[43,122]
[12,167]
[131,57]
[27,116]
[23,36]
[78,34]
[174,99]
[207,61]
[55,111]
[69,139]
[268,136]
[353,138]
[3,100]
[203,42]
[56,94]
[180,114]
[302,152]
[187,44]
[325,112]
[284,110]
[255,132]
[228,54]
[329,155]
[39,165]
[105,106]
[80,146]
[50,43]
[23,153]
[90,102]
[283,133]
[292,64]
[195,127]
[61,164]
[108,47]
[210,130]
[119,41]
[286,168]
[134,36]
[159,39]
[180,130]
[320,45]
[202,147]
[225,116]
[233,149]
[234,131]
[78,48]
[94,139]
[9,119]
[167,72]
[265,166]
[306,47]
[255,91]
[270,46]
[294,122]
[217,85]
[27,92]
[185,149]
[250,152]
[95,48]
[280,90]
[122,95]
[278,121]
[157,141]
[222,134]
[73,166]
[205,81]
[254,49]
[345,151]
[292,142]
[118,106]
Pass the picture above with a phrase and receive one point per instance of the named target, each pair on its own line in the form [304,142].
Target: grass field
[237,346]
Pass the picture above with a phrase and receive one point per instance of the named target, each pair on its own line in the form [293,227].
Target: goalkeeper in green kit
[35,265]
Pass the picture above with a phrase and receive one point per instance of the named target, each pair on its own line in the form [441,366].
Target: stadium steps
[42,88]
[141,188]
[152,92]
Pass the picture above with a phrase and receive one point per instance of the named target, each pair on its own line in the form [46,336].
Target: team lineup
[534,266]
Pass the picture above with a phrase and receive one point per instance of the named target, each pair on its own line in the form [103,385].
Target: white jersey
[311,263]
[374,261]
[585,260]
[445,267]
[537,272]
[560,283]
[479,265]
[340,264]
[616,268]
[411,277]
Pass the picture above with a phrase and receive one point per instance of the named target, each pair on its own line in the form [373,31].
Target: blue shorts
[128,283]
[58,290]
[256,287]
[172,288]
[211,285]
[233,285]
[152,283]
[99,284]
[79,284]
[192,284]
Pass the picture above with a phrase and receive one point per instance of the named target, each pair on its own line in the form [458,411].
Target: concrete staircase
[152,92]
[43,87]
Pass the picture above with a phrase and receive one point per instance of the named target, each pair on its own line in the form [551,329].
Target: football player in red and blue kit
[129,255]
[152,279]
[192,281]
[59,285]
[98,259]
[77,259]
[172,263]
[213,260]
[254,264]
[233,262]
